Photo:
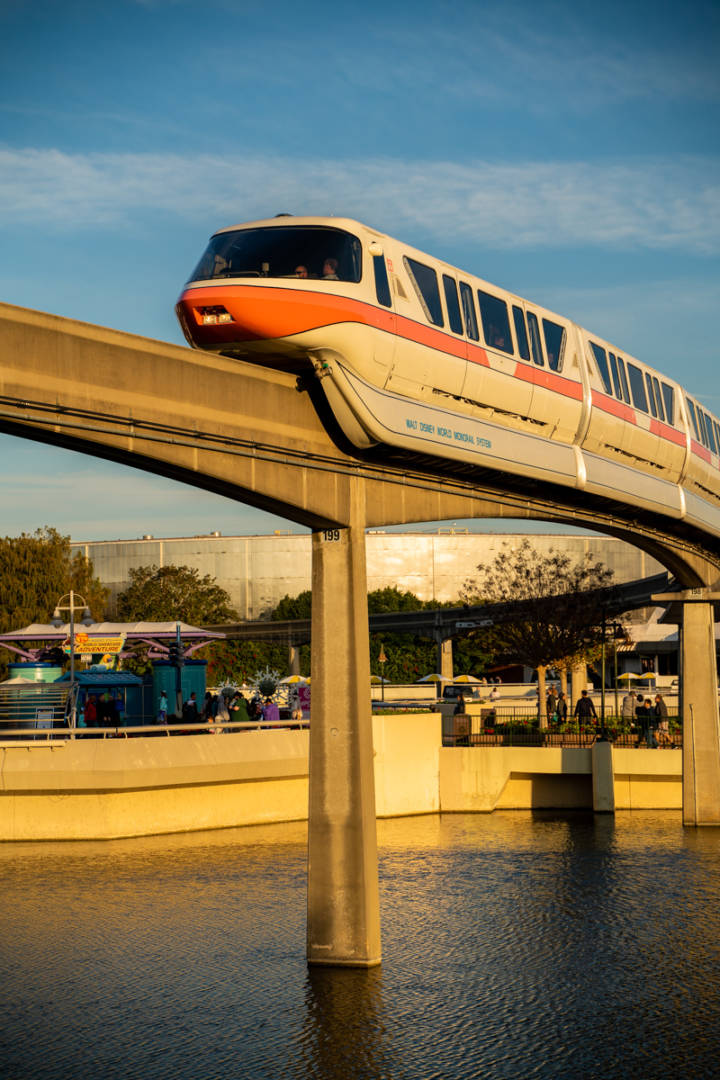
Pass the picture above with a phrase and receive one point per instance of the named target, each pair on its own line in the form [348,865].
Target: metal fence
[25,733]
[42,707]
[513,727]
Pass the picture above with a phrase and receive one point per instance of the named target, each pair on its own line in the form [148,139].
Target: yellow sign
[88,643]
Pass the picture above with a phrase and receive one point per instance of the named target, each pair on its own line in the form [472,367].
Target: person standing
[91,719]
[295,708]
[238,711]
[662,723]
[584,709]
[208,707]
[643,716]
[190,710]
[163,708]
[222,713]
[270,712]
[561,708]
[627,709]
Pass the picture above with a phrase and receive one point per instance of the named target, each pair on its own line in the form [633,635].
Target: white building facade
[258,571]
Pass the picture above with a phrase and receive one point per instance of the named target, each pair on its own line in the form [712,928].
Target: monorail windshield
[293,251]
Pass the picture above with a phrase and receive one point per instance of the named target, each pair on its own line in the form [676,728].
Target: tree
[408,655]
[293,607]
[541,633]
[173,594]
[36,569]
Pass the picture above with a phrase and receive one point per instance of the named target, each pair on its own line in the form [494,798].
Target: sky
[567,151]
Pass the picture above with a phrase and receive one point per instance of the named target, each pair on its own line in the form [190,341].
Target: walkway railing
[498,728]
[129,731]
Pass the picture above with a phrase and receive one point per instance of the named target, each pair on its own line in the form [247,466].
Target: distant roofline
[374,531]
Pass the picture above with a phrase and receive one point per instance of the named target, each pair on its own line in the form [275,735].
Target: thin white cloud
[653,203]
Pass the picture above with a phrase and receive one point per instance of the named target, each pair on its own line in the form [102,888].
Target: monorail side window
[658,398]
[453,304]
[623,380]
[521,332]
[382,285]
[601,361]
[637,386]
[468,305]
[669,399]
[651,395]
[615,375]
[495,322]
[554,343]
[281,251]
[702,426]
[693,417]
[425,281]
[534,328]
[710,433]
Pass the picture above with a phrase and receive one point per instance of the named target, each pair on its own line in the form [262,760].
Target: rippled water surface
[514,945]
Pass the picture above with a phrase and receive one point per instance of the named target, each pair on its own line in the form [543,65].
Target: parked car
[469,691]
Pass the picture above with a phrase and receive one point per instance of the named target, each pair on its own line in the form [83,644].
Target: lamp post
[75,602]
[382,660]
[602,681]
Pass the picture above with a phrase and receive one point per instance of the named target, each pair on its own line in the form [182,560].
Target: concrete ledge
[106,789]
[482,779]
[77,765]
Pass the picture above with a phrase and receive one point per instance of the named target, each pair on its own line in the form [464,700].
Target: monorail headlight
[374,248]
[211,316]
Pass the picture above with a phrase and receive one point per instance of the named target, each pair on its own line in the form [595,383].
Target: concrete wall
[524,778]
[257,571]
[105,789]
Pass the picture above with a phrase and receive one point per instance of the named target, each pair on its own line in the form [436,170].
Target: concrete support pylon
[603,777]
[294,659]
[445,656]
[699,703]
[693,610]
[343,917]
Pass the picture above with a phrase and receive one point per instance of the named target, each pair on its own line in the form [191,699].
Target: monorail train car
[415,354]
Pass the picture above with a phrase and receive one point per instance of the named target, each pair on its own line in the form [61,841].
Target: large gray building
[257,571]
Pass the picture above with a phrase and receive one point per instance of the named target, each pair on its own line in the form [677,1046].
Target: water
[514,946]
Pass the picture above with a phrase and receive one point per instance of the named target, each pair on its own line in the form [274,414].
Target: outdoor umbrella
[466,679]
[291,679]
[435,678]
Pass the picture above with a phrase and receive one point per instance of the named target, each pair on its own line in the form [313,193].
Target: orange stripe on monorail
[625,412]
[615,408]
[658,427]
[699,449]
[437,339]
[559,384]
[267,313]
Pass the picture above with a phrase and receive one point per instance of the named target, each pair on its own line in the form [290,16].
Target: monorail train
[417,355]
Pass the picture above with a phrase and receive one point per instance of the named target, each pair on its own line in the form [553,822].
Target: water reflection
[515,945]
[348,1002]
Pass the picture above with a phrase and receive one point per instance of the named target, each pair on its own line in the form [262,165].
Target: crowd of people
[234,708]
[648,718]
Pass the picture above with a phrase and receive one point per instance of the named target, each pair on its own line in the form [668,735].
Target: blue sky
[569,151]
